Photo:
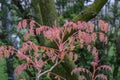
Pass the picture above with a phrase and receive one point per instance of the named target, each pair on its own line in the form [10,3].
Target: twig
[40,74]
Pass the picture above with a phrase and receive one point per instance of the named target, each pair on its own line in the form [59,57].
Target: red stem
[93,74]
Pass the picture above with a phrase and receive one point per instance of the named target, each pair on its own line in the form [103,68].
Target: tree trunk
[37,11]
[116,40]
[48,12]
[91,11]
[7,26]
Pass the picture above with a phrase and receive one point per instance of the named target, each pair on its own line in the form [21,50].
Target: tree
[86,15]
[48,11]
[90,16]
[37,57]
[9,37]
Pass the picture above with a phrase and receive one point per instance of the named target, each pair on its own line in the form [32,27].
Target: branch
[91,11]
[39,74]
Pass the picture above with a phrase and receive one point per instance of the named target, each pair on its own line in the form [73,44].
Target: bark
[91,11]
[6,23]
[48,10]
[37,11]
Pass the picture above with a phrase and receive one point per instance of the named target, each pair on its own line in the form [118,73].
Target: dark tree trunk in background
[116,40]
[37,11]
[48,12]
[6,23]
[11,39]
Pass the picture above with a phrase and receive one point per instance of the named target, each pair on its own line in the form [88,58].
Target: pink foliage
[6,51]
[24,23]
[37,56]
[93,37]
[23,79]
[80,70]
[32,24]
[95,54]
[57,34]
[81,25]
[101,76]
[26,36]
[86,37]
[31,31]
[38,64]
[19,25]
[103,26]
[102,36]
[89,48]
[20,69]
[90,27]
[105,67]
[21,56]
[52,33]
